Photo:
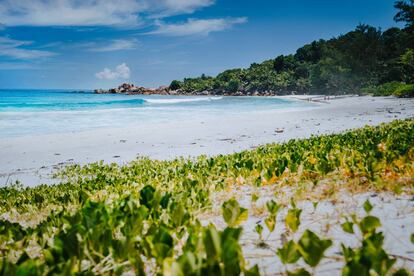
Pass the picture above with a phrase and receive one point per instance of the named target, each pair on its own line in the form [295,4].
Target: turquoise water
[34,112]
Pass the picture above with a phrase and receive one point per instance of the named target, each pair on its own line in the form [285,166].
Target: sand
[31,159]
[396,213]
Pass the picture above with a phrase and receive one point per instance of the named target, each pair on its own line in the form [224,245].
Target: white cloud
[197,26]
[70,12]
[13,49]
[115,45]
[122,71]
[172,7]
[91,12]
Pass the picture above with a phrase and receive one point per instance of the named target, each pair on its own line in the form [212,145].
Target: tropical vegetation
[357,62]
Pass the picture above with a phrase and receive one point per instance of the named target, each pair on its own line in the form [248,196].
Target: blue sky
[86,44]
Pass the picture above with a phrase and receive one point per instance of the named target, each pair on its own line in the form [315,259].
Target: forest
[366,60]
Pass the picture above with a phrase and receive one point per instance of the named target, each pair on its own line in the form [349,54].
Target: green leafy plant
[233,214]
[293,218]
[312,248]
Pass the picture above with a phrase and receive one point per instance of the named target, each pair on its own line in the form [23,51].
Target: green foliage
[233,85]
[405,12]
[397,89]
[367,206]
[293,219]
[270,222]
[361,60]
[111,219]
[370,257]
[259,230]
[348,227]
[233,214]
[312,248]
[289,253]
[272,207]
[175,85]
[299,272]
[405,91]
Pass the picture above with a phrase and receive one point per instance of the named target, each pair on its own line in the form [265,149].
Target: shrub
[405,91]
[175,84]
[398,89]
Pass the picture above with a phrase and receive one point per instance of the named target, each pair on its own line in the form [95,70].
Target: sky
[88,44]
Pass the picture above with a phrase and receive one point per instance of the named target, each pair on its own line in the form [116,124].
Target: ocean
[37,112]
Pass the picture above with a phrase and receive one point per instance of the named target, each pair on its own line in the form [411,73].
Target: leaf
[293,219]
[368,224]
[272,207]
[348,252]
[348,227]
[401,272]
[367,206]
[147,196]
[179,215]
[312,248]
[164,200]
[255,197]
[288,254]
[259,229]
[211,241]
[233,214]
[412,238]
[299,272]
[253,271]
[270,223]
[171,268]
[163,243]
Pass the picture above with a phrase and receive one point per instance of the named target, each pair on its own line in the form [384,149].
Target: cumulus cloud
[197,26]
[14,49]
[91,12]
[122,71]
[115,45]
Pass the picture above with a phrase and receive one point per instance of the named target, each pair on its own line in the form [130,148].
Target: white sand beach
[31,159]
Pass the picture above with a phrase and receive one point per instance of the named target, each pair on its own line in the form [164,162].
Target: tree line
[365,60]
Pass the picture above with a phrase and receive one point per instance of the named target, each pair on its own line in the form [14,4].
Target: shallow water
[34,112]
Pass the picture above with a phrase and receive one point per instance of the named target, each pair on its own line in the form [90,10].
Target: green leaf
[401,272]
[179,215]
[412,238]
[299,272]
[233,214]
[259,229]
[368,224]
[367,206]
[147,196]
[312,248]
[270,223]
[348,227]
[293,219]
[253,271]
[211,239]
[272,207]
[255,197]
[171,268]
[288,254]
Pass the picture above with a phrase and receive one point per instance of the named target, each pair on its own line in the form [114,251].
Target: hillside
[356,62]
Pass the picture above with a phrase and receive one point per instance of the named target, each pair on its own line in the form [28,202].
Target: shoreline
[31,159]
